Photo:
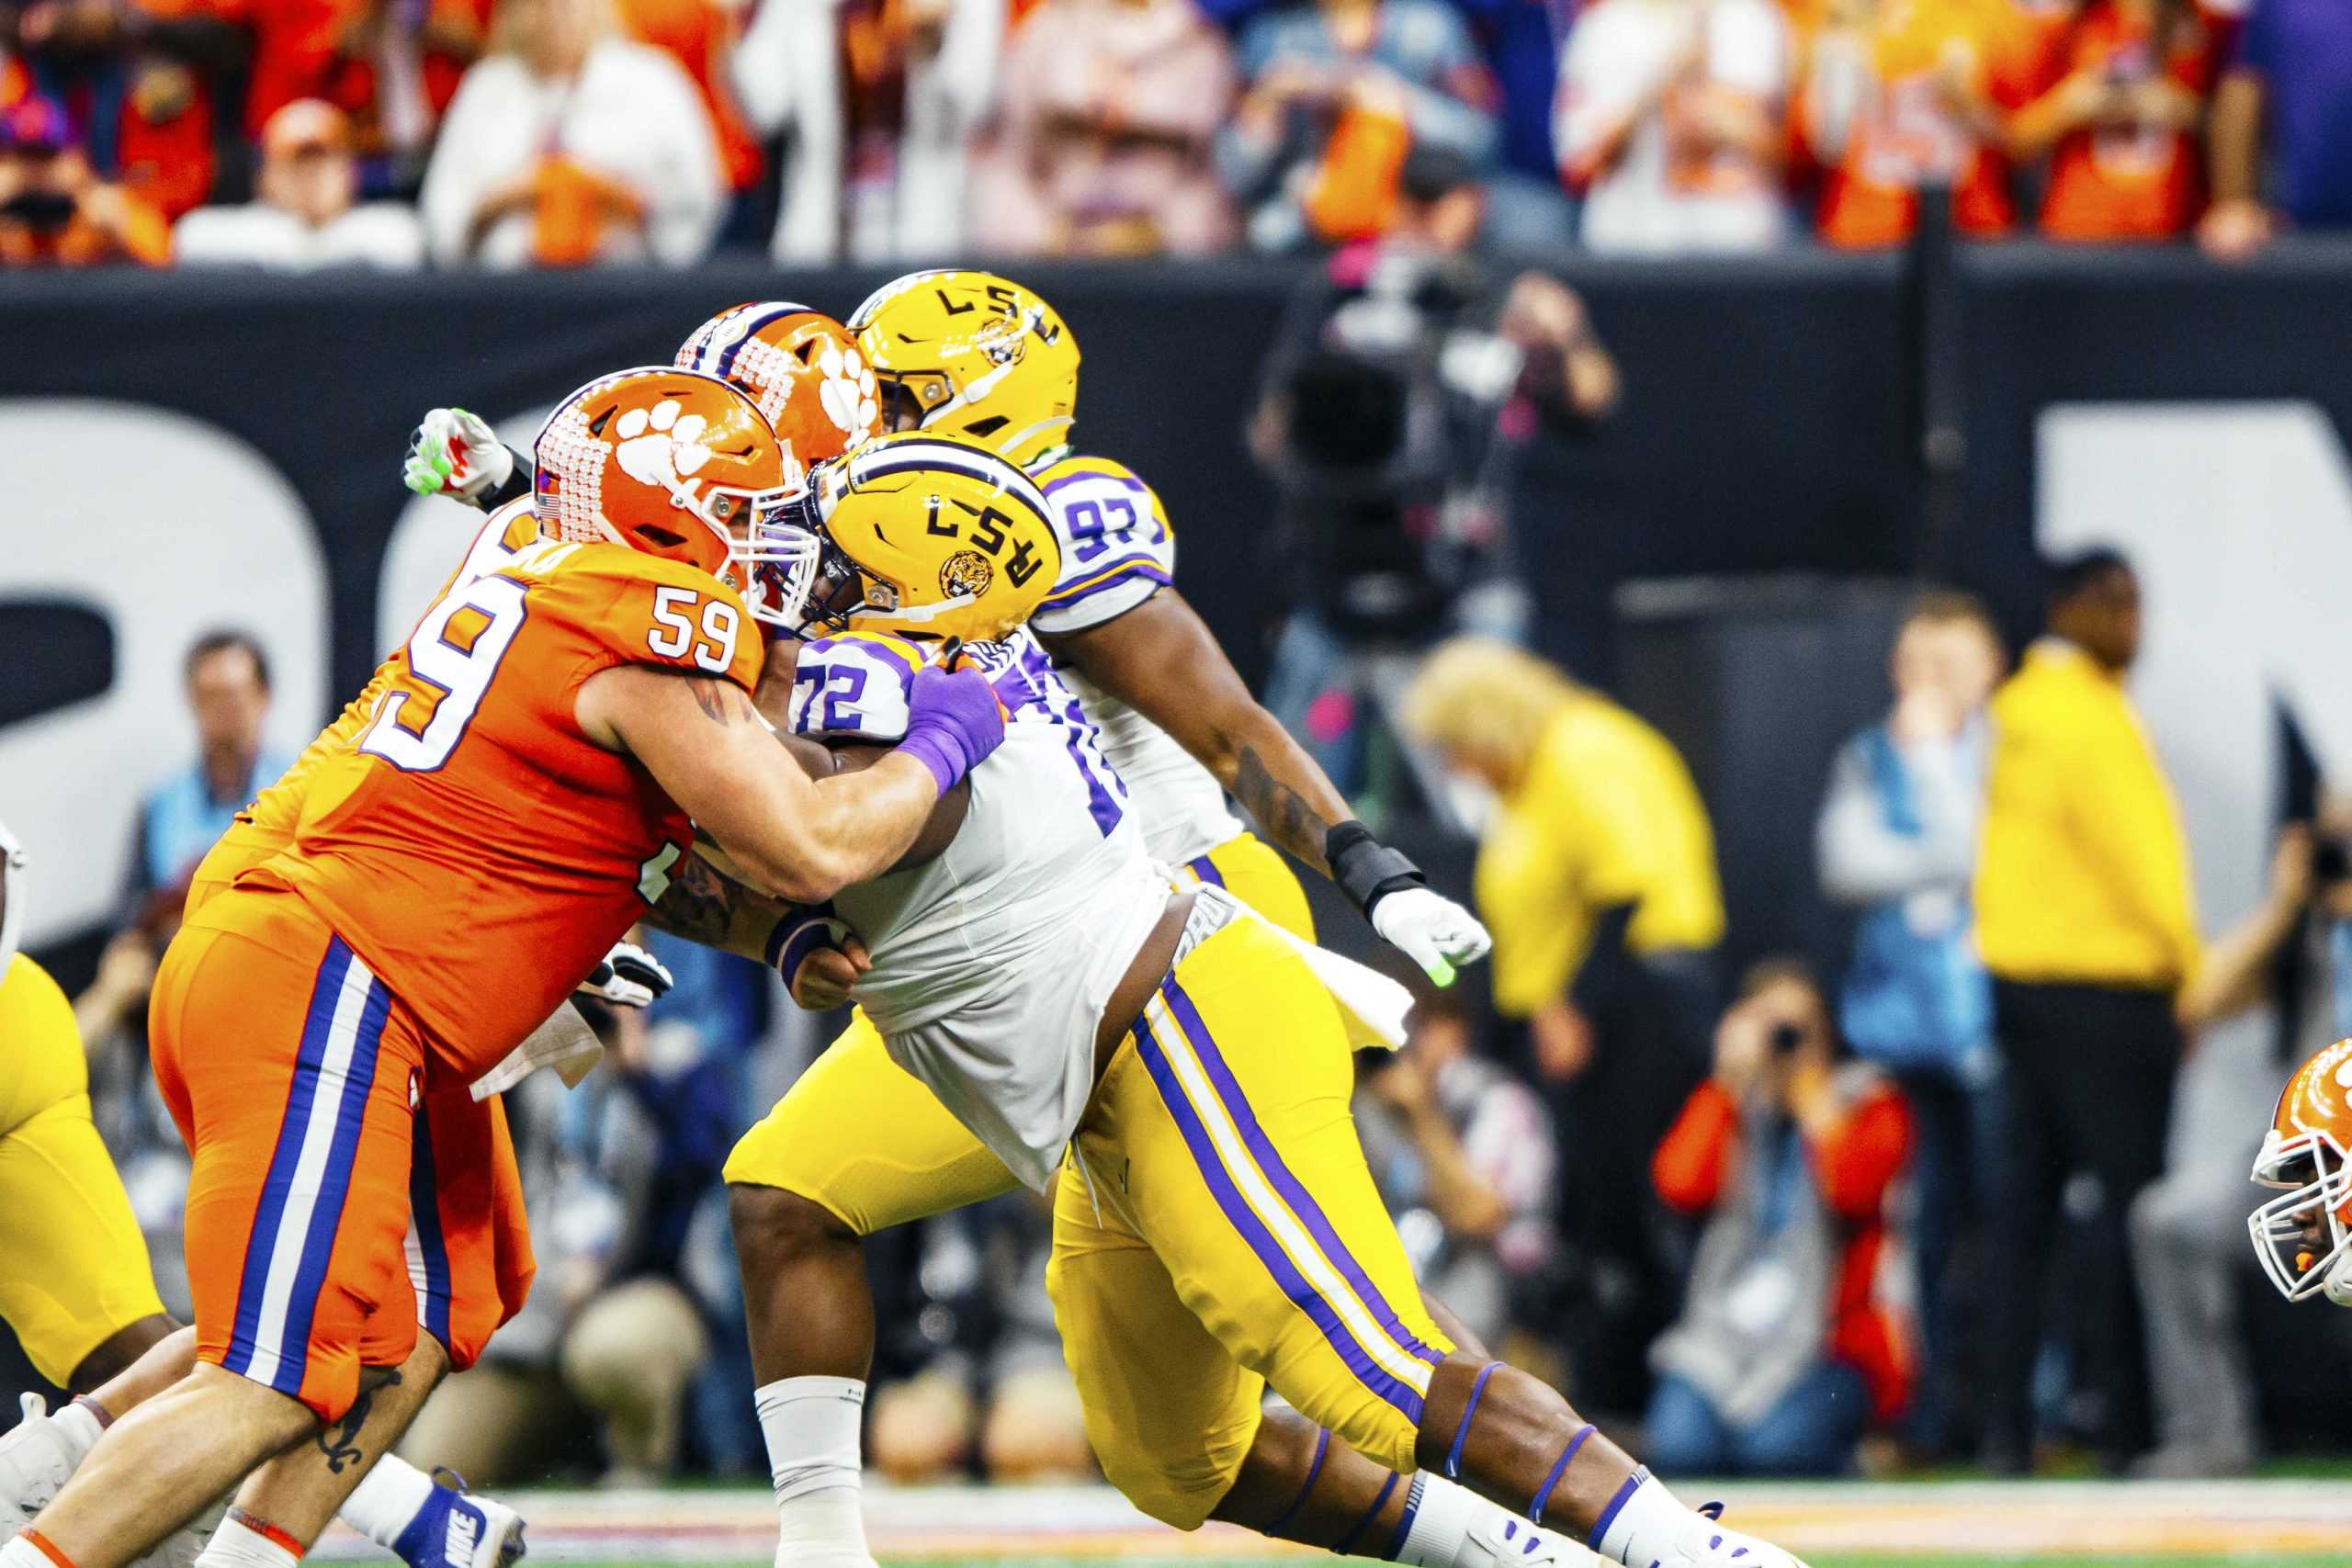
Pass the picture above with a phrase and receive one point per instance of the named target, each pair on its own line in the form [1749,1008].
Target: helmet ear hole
[988,427]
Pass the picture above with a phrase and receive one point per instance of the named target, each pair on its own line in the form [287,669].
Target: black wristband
[518,483]
[1366,869]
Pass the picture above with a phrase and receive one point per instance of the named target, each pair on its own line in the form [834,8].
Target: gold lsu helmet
[924,535]
[976,355]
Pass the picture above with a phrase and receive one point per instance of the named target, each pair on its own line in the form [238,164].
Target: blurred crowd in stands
[511,133]
[1918,1210]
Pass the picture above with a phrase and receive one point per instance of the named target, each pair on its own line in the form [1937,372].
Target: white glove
[1432,930]
[628,977]
[455,454]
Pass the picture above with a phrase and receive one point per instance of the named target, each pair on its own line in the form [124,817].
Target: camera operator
[2188,1228]
[1407,378]
[1784,1350]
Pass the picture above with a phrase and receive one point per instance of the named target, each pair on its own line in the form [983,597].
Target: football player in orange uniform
[2304,1235]
[518,798]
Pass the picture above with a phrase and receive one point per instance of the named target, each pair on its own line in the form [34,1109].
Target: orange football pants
[335,1206]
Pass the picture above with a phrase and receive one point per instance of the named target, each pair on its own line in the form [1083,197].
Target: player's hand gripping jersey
[471,844]
[992,959]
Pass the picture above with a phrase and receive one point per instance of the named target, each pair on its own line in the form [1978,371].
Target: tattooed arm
[704,903]
[790,836]
[1163,660]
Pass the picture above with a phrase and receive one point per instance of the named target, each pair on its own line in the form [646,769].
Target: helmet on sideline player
[974,355]
[926,537]
[678,464]
[801,368]
[2304,1235]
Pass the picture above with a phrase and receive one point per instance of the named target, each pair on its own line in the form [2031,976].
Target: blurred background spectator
[1596,873]
[184,816]
[304,214]
[1336,93]
[567,146]
[2188,1230]
[2283,112]
[2086,920]
[1903,96]
[55,211]
[1463,1155]
[880,99]
[1101,141]
[2119,120]
[1672,124]
[1796,1333]
[1897,842]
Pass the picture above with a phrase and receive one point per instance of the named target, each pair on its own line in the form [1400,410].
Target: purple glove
[954,721]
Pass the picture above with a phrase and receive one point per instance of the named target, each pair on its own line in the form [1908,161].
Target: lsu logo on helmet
[973,354]
[926,537]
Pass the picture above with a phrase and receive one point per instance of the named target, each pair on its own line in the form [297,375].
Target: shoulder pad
[853,687]
[1117,547]
[642,609]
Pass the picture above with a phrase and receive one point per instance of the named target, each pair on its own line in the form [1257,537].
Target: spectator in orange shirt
[1785,1349]
[134,77]
[1902,95]
[392,66]
[2120,121]
[700,36]
[55,211]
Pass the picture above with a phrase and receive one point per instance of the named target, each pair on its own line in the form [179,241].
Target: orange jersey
[268,825]
[1904,135]
[2127,182]
[468,841]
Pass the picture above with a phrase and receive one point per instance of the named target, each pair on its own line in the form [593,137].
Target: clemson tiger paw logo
[966,574]
[846,390]
[659,447]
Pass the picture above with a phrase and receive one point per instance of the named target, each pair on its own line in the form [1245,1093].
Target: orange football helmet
[801,368]
[678,464]
[2304,1235]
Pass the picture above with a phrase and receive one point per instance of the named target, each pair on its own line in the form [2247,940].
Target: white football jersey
[1117,551]
[992,964]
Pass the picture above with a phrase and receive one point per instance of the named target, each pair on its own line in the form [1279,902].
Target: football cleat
[458,1530]
[1703,1542]
[36,1461]
[1508,1542]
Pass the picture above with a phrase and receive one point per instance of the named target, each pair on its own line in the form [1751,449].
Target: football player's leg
[1252,1188]
[856,1146]
[465,1230]
[291,1065]
[75,1280]
[1177,1423]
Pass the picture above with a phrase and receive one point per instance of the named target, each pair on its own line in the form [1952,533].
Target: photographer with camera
[1410,375]
[1785,1349]
[2294,950]
[55,211]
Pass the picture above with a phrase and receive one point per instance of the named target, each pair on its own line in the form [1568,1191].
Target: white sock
[1642,1522]
[236,1544]
[79,1425]
[812,1427]
[386,1501]
[19,1552]
[1443,1521]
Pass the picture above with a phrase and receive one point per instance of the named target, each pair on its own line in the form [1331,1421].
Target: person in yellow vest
[1597,876]
[2084,918]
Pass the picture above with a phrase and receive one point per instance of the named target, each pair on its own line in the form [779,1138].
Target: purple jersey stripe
[1061,705]
[433,1249]
[1616,1506]
[1144,567]
[325,990]
[1253,1230]
[1129,480]
[334,1185]
[1270,1161]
